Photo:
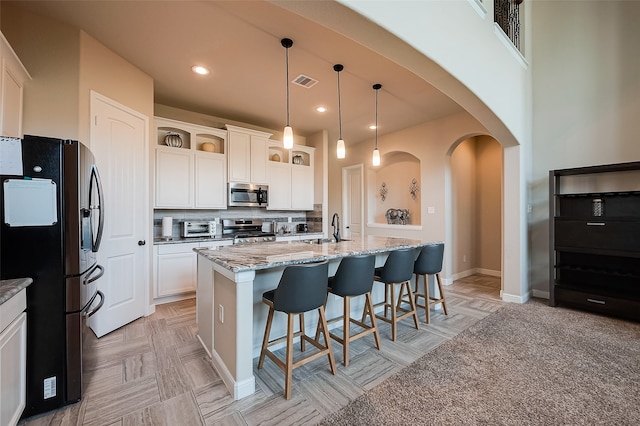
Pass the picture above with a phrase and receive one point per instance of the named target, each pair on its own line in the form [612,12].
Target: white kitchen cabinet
[13,359]
[12,80]
[174,177]
[193,175]
[290,183]
[247,158]
[175,267]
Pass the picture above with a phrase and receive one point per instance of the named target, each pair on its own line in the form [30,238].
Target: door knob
[142,242]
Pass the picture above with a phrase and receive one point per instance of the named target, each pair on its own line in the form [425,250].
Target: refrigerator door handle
[97,308]
[95,177]
[89,278]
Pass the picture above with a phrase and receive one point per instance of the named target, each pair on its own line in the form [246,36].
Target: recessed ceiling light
[200,70]
[321,109]
[372,127]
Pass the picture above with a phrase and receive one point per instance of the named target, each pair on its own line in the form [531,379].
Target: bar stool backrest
[354,276]
[399,266]
[301,288]
[429,260]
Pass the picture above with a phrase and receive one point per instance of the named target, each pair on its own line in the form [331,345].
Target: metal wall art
[383,191]
[414,188]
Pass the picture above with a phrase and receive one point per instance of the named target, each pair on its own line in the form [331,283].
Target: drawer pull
[596,223]
[599,302]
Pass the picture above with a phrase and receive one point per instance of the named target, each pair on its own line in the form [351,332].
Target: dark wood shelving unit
[594,259]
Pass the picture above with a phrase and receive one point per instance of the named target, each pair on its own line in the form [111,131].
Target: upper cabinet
[190,166]
[247,157]
[290,174]
[12,80]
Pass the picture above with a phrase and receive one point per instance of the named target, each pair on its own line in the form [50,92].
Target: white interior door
[119,141]
[352,193]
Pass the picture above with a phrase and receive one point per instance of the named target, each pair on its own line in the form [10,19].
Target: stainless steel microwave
[248,195]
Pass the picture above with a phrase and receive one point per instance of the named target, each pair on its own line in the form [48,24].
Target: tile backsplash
[286,220]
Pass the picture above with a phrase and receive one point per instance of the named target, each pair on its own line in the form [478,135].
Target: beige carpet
[524,364]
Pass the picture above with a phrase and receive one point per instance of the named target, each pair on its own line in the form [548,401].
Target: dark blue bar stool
[397,270]
[353,278]
[302,288]
[429,262]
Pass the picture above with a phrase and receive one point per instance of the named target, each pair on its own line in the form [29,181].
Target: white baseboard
[514,298]
[474,271]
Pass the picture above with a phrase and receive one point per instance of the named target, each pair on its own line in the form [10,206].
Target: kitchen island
[230,314]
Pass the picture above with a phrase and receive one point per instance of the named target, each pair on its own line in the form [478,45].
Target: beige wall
[397,172]
[50,52]
[108,74]
[476,174]
[586,100]
[489,205]
[464,208]
[66,64]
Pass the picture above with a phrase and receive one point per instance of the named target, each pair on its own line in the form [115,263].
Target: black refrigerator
[52,221]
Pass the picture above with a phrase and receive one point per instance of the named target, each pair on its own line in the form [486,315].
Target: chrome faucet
[335,222]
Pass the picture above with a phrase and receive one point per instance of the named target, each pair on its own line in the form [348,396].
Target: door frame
[346,194]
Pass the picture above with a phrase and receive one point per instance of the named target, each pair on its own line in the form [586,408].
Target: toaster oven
[198,229]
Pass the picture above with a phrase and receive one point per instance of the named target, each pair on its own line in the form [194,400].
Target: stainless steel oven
[248,195]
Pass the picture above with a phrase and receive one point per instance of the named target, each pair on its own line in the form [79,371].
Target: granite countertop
[247,257]
[9,288]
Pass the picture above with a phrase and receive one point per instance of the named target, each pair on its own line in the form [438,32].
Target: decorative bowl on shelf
[173,139]
[297,159]
[209,147]
[275,157]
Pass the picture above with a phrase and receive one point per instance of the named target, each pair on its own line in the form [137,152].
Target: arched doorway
[475,202]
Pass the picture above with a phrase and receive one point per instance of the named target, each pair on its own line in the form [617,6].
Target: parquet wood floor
[154,371]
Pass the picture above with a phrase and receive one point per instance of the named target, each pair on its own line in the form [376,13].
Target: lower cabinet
[13,372]
[175,268]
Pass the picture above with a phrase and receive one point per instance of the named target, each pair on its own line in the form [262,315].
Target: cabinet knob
[142,242]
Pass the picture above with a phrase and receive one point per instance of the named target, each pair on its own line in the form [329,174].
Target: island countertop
[253,257]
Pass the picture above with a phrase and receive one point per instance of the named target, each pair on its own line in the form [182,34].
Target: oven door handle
[89,278]
[97,308]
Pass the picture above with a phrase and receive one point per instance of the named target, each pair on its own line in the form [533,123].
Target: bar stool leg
[289,361]
[346,325]
[302,341]
[393,311]
[327,338]
[369,307]
[412,302]
[265,340]
[444,303]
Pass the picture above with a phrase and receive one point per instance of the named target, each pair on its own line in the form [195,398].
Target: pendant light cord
[287,77]
[377,88]
[339,109]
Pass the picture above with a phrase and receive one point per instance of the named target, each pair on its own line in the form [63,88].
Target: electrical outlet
[221,314]
[464,258]
[431,210]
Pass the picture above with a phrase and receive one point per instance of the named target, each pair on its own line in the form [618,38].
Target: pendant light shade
[376,153]
[340,148]
[287,138]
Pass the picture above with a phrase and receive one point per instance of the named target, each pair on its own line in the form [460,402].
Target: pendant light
[340,149]
[287,138]
[376,152]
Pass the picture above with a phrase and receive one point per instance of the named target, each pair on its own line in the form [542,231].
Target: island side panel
[204,303]
[232,329]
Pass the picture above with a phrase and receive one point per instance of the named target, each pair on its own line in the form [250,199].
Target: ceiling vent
[305,81]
